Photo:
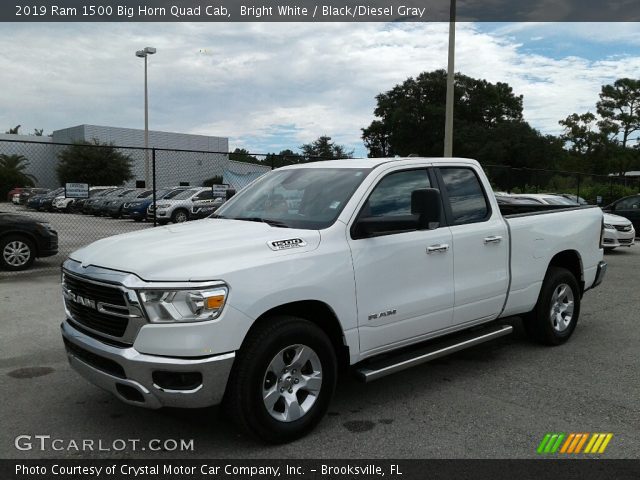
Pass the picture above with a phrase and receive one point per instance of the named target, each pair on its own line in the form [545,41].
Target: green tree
[14,130]
[589,149]
[619,109]
[38,132]
[243,155]
[13,173]
[324,149]
[410,116]
[285,157]
[93,163]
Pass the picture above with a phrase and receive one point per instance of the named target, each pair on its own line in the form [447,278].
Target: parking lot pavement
[494,401]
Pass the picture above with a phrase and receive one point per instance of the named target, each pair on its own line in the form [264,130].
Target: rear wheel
[283,379]
[18,252]
[556,314]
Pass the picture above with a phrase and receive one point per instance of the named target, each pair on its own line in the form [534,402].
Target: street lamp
[144,54]
[448,123]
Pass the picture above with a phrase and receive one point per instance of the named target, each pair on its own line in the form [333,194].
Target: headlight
[189,305]
[164,205]
[609,226]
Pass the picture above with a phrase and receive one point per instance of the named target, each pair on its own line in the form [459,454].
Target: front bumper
[128,374]
[600,273]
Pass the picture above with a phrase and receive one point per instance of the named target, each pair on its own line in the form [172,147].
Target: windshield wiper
[268,221]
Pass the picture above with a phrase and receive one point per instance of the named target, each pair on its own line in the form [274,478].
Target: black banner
[318,11]
[320,469]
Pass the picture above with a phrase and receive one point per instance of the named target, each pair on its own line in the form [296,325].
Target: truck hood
[195,251]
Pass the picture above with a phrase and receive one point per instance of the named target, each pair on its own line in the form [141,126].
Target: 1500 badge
[287,244]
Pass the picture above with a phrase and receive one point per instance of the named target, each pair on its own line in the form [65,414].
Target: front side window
[628,203]
[392,196]
[466,196]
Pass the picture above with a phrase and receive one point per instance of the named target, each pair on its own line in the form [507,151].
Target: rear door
[480,245]
[404,278]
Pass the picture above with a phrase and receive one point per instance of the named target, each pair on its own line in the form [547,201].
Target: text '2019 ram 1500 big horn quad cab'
[377,264]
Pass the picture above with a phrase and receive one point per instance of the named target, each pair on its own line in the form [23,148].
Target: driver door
[404,279]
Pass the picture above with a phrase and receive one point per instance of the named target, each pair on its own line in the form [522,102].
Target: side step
[381,368]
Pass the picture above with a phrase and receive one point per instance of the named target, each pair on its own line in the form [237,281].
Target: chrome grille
[102,308]
[623,228]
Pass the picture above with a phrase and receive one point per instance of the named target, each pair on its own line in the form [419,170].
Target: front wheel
[283,379]
[179,216]
[556,314]
[18,252]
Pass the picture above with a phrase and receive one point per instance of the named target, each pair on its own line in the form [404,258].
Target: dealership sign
[220,191]
[76,190]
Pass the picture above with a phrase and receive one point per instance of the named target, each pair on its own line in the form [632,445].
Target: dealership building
[181,159]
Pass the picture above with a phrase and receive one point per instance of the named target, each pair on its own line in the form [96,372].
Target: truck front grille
[84,299]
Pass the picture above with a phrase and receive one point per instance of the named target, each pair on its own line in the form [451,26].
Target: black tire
[250,379]
[180,215]
[14,244]
[545,323]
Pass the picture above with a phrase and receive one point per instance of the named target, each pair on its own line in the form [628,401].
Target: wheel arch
[319,313]
[572,261]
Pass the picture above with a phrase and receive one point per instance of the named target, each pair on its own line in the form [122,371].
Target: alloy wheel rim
[562,307]
[16,253]
[292,383]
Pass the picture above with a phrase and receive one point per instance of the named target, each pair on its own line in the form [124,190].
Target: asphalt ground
[496,400]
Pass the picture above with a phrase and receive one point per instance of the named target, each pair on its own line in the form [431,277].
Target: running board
[382,368]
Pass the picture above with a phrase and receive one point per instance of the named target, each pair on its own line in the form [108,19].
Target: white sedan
[618,231]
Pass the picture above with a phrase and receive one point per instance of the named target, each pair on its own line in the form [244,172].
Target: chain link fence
[595,189]
[164,185]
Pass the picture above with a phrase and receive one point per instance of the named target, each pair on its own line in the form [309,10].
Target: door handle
[494,239]
[442,248]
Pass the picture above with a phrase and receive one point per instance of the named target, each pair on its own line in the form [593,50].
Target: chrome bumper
[600,273]
[128,374]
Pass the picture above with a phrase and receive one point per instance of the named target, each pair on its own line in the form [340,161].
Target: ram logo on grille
[87,302]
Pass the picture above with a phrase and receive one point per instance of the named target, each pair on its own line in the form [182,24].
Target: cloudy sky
[272,86]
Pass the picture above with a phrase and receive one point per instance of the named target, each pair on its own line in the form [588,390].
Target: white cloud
[271,86]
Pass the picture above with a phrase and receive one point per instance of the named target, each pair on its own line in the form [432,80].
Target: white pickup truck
[373,264]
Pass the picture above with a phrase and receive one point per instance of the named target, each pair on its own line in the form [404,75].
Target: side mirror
[426,204]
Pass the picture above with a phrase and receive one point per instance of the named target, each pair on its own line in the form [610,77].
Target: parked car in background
[12,192]
[101,206]
[137,209]
[574,198]
[45,201]
[618,232]
[177,209]
[22,239]
[15,198]
[627,207]
[27,193]
[113,208]
[82,204]
[545,198]
[94,206]
[203,208]
[64,204]
[506,199]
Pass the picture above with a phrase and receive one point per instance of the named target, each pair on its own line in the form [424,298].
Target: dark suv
[629,208]
[22,239]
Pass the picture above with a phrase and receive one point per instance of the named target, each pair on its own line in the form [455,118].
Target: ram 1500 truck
[373,264]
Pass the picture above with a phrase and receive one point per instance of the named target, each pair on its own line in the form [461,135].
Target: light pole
[144,54]
[448,123]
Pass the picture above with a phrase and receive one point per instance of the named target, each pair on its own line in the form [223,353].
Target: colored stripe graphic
[573,443]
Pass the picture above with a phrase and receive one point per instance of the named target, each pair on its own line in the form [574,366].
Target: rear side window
[466,196]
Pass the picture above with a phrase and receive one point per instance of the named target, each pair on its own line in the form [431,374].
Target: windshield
[172,193]
[184,194]
[308,198]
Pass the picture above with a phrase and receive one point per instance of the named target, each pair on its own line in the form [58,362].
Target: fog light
[177,380]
